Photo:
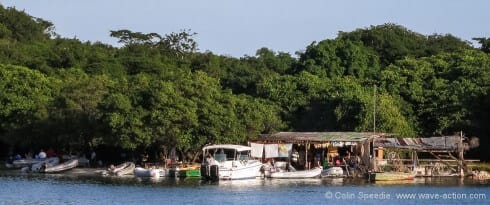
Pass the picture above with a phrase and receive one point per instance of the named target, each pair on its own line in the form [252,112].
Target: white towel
[257,150]
[271,150]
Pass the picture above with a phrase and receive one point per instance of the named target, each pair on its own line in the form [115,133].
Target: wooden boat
[142,172]
[394,176]
[315,172]
[70,164]
[121,169]
[185,171]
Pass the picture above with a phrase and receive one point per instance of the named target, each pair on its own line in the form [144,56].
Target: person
[93,157]
[42,154]
[210,160]
[50,153]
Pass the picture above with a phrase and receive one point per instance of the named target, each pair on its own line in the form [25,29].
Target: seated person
[42,154]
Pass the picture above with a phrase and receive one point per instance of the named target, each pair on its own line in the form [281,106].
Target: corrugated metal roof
[292,137]
[430,143]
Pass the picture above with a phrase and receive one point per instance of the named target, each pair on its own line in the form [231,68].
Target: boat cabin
[226,152]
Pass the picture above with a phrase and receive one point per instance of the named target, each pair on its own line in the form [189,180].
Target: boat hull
[128,169]
[333,172]
[50,162]
[250,171]
[61,167]
[142,172]
[312,173]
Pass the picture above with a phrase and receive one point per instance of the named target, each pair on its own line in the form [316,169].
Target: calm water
[77,188]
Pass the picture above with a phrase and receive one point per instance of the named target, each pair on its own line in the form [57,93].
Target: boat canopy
[238,148]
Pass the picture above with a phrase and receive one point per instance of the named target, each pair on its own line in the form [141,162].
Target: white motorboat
[151,172]
[70,164]
[283,174]
[230,162]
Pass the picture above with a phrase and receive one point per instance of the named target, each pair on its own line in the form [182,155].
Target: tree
[25,97]
[19,26]
[485,44]
[128,37]
[337,58]
[76,108]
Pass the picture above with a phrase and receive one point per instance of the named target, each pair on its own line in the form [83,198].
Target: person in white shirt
[42,154]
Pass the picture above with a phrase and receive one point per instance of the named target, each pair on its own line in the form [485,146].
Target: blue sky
[240,27]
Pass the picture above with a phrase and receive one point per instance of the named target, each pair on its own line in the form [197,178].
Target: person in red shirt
[50,153]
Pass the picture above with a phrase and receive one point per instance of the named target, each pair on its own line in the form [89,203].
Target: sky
[241,27]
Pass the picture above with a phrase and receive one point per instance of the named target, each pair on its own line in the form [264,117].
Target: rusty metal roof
[299,137]
[430,143]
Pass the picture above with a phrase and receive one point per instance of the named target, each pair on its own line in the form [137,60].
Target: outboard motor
[210,172]
[214,172]
[205,171]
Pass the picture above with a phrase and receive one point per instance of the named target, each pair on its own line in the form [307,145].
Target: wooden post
[461,157]
[375,164]
[380,153]
[306,156]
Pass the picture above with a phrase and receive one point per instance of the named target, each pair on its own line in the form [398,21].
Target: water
[76,188]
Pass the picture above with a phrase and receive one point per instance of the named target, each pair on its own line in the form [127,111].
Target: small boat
[185,171]
[394,176]
[121,169]
[229,162]
[70,164]
[151,172]
[333,172]
[282,174]
[480,175]
[26,162]
[52,161]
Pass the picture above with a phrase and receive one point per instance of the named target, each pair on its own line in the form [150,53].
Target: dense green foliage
[158,92]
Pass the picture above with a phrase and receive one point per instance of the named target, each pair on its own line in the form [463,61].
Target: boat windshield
[243,156]
[221,154]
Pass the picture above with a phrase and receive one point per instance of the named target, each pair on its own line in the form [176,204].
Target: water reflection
[94,177]
[85,187]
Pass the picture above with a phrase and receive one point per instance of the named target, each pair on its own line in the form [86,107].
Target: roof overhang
[318,137]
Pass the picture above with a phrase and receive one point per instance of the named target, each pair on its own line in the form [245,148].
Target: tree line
[159,91]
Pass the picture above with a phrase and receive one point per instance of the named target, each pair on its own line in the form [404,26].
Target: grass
[482,166]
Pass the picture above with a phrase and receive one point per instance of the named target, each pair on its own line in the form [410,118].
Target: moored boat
[282,174]
[70,164]
[230,162]
[52,161]
[142,172]
[333,172]
[192,170]
[26,162]
[121,169]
